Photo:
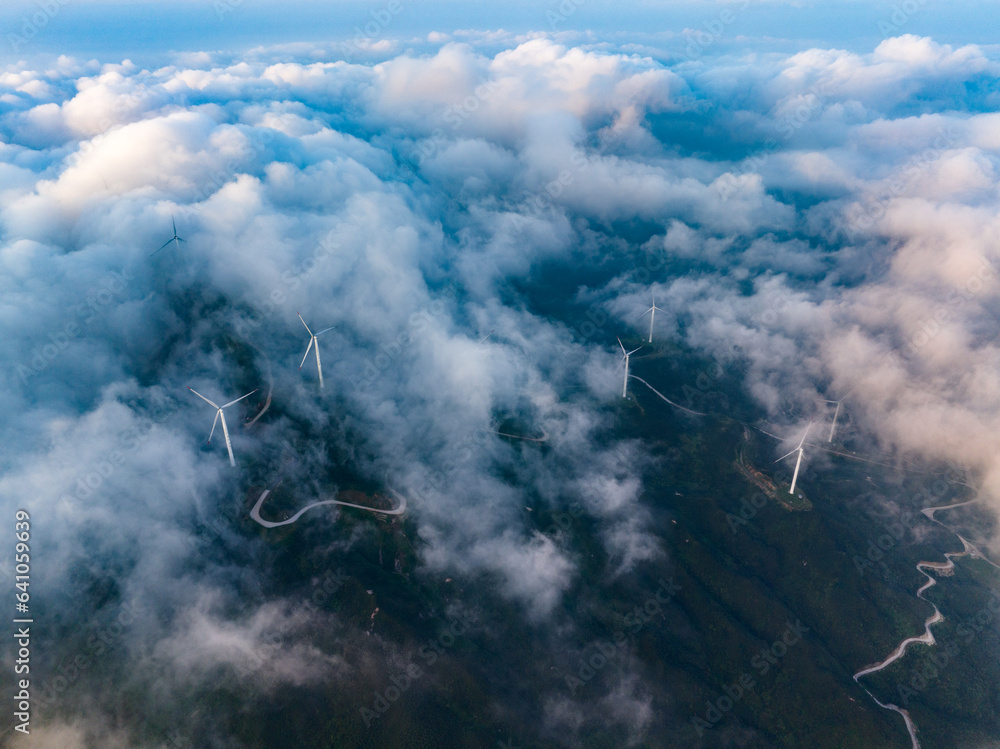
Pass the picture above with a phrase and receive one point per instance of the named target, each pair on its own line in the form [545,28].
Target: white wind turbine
[175,239]
[652,316]
[836,413]
[798,461]
[314,342]
[219,414]
[626,355]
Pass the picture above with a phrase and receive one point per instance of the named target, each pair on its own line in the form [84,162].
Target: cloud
[793,219]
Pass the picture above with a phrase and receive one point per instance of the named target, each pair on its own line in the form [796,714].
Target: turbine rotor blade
[806,434]
[240,398]
[633,351]
[785,456]
[304,323]
[216,405]
[214,422]
[308,348]
[327,330]
[620,344]
[164,245]
[174,223]
[319,366]
[229,444]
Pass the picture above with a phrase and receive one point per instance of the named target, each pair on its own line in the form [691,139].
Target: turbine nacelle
[798,460]
[624,359]
[836,413]
[220,415]
[652,317]
[175,239]
[313,341]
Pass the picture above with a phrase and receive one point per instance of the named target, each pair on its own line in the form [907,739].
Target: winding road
[927,638]
[543,438]
[675,405]
[270,388]
[255,512]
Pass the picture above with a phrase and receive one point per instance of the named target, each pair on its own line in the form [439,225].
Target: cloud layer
[826,220]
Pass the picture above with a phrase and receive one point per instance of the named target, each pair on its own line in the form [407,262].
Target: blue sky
[147,31]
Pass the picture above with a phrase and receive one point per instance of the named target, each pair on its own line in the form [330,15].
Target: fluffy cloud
[826,236]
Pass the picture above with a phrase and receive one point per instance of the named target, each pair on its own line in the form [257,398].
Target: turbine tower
[836,413]
[219,414]
[625,357]
[175,239]
[652,316]
[314,342]
[798,460]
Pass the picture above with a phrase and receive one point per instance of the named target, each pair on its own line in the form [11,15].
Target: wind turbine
[798,461]
[483,339]
[836,413]
[652,317]
[218,415]
[313,341]
[175,239]
[627,354]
